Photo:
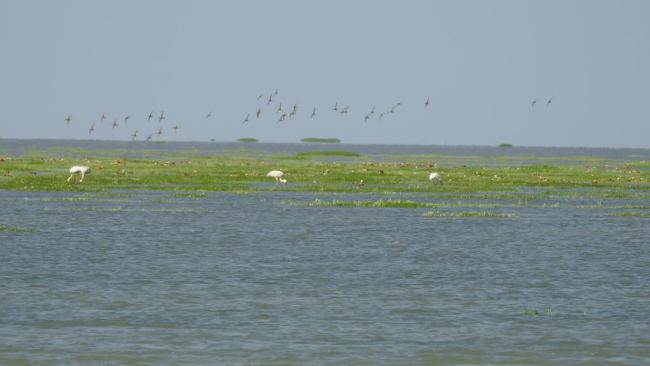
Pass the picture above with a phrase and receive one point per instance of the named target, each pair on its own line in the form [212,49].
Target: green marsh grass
[468,214]
[248,139]
[14,229]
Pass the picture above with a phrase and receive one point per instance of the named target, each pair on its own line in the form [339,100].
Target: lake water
[153,278]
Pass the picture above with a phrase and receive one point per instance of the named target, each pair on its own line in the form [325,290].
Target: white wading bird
[277,175]
[78,169]
[435,178]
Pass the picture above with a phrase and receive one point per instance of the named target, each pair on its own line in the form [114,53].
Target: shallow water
[151,278]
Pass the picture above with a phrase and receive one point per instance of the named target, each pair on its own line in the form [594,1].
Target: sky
[481,64]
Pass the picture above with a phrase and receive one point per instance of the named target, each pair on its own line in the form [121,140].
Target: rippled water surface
[157,278]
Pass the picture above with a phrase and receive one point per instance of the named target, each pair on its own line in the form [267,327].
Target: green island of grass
[248,139]
[489,186]
[505,145]
[321,140]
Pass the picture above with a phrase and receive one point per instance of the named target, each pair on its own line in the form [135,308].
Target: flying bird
[115,124]
[313,113]
[532,104]
[336,106]
[68,119]
[246,119]
[134,135]
[126,119]
[162,116]
[91,129]
[159,131]
[150,116]
[149,137]
[103,117]
[207,116]
[549,101]
[426,104]
[175,128]
[258,113]
[260,96]
[270,99]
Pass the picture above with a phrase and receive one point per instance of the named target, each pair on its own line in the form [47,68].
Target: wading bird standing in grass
[278,175]
[435,178]
[78,169]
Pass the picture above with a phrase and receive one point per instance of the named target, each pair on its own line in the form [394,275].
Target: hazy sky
[480,62]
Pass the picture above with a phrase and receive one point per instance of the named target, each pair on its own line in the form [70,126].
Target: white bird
[277,174]
[435,178]
[78,169]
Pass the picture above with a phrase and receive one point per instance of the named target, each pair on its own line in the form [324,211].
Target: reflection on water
[155,278]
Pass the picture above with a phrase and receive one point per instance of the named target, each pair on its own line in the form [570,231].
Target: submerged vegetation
[321,140]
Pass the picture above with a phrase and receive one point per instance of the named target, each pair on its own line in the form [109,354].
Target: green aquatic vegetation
[192,195]
[14,229]
[505,145]
[489,214]
[391,204]
[534,312]
[248,139]
[321,140]
[631,214]
[309,154]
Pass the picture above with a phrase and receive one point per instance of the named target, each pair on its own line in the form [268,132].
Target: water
[150,278]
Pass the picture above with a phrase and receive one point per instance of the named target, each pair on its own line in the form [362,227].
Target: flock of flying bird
[265,102]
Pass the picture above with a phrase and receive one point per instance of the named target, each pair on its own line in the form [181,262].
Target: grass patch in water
[505,145]
[321,140]
[248,139]
[631,214]
[192,195]
[490,214]
[394,204]
[309,154]
[14,229]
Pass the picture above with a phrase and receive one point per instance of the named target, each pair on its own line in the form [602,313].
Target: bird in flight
[532,103]
[162,116]
[134,135]
[208,115]
[279,110]
[68,119]
[336,106]
[366,118]
[246,119]
[103,117]
[175,128]
[126,119]
[260,96]
[149,137]
[313,113]
[150,116]
[258,113]
[549,101]
[426,104]
[91,129]
[270,100]
[115,124]
[159,132]
[282,117]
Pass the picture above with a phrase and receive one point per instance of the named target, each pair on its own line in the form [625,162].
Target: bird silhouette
[91,129]
[150,116]
[246,119]
[313,113]
[103,117]
[426,104]
[549,101]
[532,103]
[207,116]
[258,113]
[115,124]
[126,118]
[68,119]
[134,135]
[336,106]
[175,128]
[162,116]
[159,132]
